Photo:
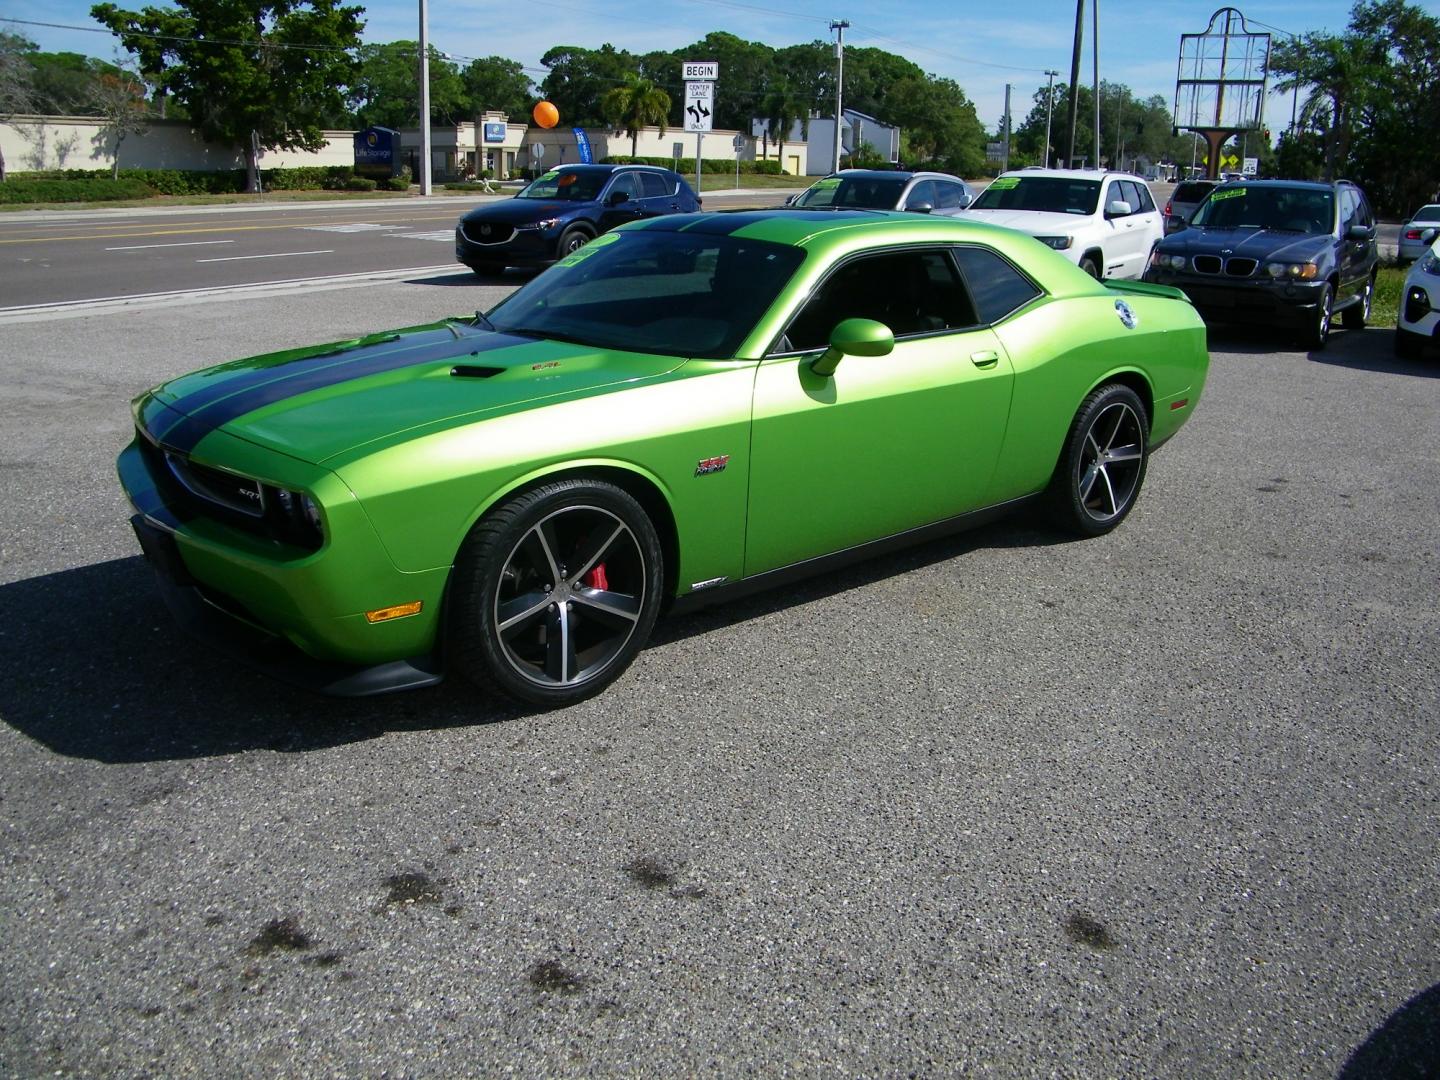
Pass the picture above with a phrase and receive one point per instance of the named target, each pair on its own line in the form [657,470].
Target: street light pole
[1049,109]
[1095,24]
[424,97]
[839,26]
[1075,80]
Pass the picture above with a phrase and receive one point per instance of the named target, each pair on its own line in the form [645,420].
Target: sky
[972,43]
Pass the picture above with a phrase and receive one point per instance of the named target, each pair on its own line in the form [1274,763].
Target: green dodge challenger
[686,408]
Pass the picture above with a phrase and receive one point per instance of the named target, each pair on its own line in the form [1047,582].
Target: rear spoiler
[1145,288]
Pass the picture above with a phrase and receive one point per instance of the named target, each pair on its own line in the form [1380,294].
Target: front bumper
[1245,300]
[524,247]
[281,608]
[1420,306]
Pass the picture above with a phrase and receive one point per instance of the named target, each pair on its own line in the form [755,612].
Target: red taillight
[1167,209]
[1412,234]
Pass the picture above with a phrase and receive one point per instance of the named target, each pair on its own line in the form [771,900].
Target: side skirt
[784,575]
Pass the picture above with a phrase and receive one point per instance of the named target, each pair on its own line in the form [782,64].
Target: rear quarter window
[996,287]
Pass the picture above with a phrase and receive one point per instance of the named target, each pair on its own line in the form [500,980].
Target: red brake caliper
[595,579]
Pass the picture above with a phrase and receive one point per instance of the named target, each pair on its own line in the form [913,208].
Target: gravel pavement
[1163,803]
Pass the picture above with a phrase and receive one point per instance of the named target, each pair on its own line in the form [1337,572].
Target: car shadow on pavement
[1406,1045]
[1372,349]
[93,666]
[459,277]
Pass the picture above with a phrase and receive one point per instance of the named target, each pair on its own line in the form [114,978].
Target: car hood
[516,211]
[317,403]
[1258,244]
[1034,222]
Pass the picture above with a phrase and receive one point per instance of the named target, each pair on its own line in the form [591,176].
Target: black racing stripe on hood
[197,423]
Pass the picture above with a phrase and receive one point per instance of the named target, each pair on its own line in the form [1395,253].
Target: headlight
[299,519]
[1166,261]
[1059,243]
[1430,262]
[1299,271]
[548,223]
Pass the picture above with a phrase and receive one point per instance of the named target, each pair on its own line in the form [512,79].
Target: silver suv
[883,189]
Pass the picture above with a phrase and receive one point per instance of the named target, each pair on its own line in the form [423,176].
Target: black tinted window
[655,185]
[915,292]
[996,287]
[1146,203]
[627,182]
[1191,192]
[948,196]
[922,192]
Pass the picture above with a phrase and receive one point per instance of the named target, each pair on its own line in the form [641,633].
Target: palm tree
[781,108]
[1338,72]
[637,103]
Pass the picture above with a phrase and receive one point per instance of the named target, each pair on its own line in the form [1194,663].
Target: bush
[711,165]
[360,183]
[396,183]
[77,190]
[465,185]
[307,178]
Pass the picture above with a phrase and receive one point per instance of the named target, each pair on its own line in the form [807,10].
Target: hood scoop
[475,371]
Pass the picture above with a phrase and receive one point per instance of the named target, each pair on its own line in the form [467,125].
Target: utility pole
[1075,80]
[424,98]
[1095,33]
[1049,108]
[1005,151]
[839,26]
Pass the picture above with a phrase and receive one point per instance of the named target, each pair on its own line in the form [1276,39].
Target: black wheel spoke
[521,613]
[614,608]
[593,549]
[560,663]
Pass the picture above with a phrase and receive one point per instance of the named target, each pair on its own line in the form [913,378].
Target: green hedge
[687,165]
[224,182]
[82,190]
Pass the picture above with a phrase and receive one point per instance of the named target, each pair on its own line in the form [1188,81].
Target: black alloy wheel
[556,592]
[1103,463]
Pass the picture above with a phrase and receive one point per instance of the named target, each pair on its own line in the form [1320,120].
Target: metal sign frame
[1231,62]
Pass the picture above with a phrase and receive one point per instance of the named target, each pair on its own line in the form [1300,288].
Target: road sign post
[739,143]
[700,78]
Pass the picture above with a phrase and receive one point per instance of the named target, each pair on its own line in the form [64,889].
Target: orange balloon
[546,114]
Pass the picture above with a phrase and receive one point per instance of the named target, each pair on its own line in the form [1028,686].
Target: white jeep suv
[1104,222]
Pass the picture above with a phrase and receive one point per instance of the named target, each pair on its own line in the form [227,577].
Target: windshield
[566,186]
[1303,210]
[653,291]
[861,192]
[1047,194]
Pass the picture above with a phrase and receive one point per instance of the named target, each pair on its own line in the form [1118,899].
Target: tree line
[286,69]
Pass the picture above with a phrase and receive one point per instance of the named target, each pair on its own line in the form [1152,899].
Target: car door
[614,213]
[921,197]
[1123,255]
[659,195]
[1354,253]
[886,443]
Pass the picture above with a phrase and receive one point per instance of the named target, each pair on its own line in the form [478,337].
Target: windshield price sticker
[826,184]
[1235,194]
[1005,183]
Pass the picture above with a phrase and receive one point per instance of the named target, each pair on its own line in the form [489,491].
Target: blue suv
[565,209]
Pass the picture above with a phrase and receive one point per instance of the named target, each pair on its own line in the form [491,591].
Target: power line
[251,43]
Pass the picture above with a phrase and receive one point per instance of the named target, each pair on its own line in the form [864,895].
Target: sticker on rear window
[588,250]
[1233,194]
[548,176]
[1005,183]
[826,184]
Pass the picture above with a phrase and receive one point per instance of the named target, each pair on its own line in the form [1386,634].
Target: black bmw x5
[1276,252]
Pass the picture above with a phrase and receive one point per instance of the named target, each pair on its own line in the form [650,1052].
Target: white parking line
[187,243]
[275,255]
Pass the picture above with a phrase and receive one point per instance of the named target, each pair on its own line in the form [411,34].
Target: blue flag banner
[583,141]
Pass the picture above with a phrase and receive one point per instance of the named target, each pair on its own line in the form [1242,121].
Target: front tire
[1090,266]
[571,240]
[1102,466]
[1357,315]
[1317,332]
[556,592]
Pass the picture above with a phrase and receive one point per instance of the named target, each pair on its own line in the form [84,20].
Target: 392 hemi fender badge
[1127,315]
[706,466]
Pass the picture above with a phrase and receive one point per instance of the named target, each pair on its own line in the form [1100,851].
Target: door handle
[985,358]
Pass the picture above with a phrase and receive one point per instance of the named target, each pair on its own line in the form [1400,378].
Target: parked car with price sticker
[1105,223]
[563,210]
[887,189]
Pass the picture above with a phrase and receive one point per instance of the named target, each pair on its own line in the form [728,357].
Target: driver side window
[912,293]
[625,182]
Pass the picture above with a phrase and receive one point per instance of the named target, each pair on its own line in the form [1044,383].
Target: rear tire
[1102,465]
[1357,315]
[1090,266]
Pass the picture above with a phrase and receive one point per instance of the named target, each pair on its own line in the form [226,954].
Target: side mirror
[1429,235]
[921,207]
[617,197]
[1360,232]
[1118,208]
[790,200]
[854,337]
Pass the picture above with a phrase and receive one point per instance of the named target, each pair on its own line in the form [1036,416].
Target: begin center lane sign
[699,106]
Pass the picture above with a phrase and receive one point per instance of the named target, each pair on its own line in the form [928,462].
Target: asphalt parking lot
[1163,803]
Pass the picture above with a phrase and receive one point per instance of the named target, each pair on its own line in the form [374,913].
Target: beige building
[34,143]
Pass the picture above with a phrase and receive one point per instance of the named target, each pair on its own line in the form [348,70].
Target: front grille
[239,493]
[1240,267]
[487,233]
[1206,264]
